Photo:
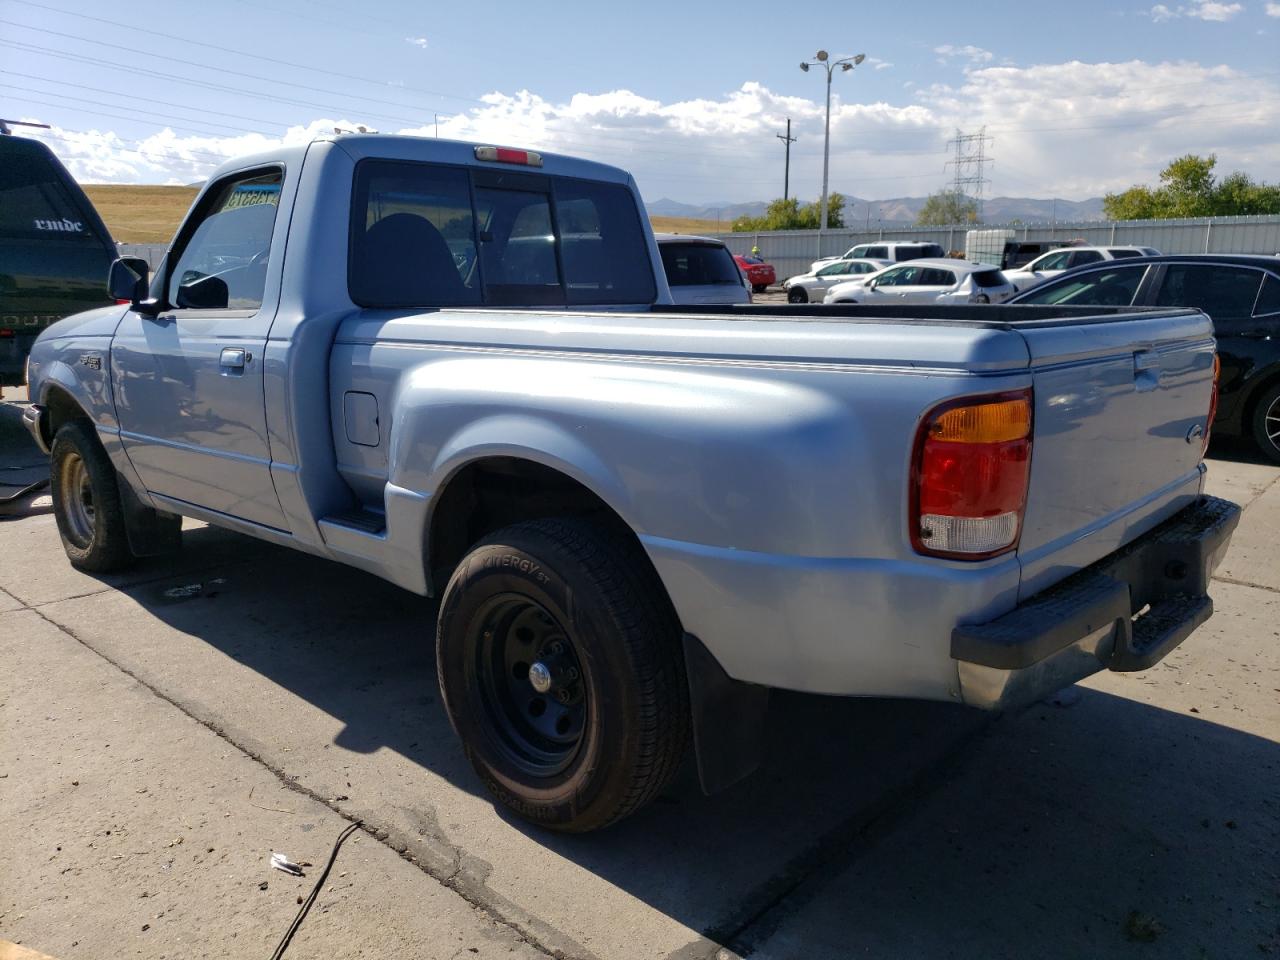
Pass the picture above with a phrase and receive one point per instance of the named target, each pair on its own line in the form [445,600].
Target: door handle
[233,359]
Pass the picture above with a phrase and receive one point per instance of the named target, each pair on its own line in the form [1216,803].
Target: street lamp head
[846,67]
[804,67]
[859,58]
[821,56]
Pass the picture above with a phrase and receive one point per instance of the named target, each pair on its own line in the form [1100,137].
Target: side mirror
[127,280]
[872,284]
[210,293]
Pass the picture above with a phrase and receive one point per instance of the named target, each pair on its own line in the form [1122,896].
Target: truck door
[188,382]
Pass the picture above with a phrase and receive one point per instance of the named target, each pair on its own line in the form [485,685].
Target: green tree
[1188,188]
[790,214]
[947,207]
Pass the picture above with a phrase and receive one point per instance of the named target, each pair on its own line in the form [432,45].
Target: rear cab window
[698,264]
[434,235]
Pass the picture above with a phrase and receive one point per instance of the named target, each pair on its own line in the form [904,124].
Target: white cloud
[968,52]
[1273,9]
[1070,130]
[419,42]
[1216,12]
[878,64]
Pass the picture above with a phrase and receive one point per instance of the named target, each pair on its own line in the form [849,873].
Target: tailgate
[1120,409]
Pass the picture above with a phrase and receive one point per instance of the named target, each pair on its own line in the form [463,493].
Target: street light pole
[822,58]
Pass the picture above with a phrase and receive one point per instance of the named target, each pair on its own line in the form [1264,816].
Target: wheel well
[496,492]
[62,407]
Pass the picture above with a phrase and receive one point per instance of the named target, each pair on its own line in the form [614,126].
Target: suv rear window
[699,264]
[918,251]
[427,235]
[989,278]
[36,204]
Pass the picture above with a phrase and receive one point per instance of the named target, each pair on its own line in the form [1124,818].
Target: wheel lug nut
[562,696]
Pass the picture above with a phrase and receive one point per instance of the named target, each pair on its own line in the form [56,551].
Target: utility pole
[786,170]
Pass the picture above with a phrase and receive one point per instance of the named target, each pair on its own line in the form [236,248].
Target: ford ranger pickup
[459,368]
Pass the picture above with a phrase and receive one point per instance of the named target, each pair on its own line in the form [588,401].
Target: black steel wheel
[530,681]
[561,668]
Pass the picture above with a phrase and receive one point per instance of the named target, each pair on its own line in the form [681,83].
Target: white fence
[791,251]
[153,253]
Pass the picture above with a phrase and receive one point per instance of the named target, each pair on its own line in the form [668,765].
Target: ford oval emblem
[1195,433]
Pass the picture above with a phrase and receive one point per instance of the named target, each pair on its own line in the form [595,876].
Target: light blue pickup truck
[458,367]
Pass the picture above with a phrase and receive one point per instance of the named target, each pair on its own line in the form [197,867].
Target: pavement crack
[1247,583]
[452,873]
[741,934]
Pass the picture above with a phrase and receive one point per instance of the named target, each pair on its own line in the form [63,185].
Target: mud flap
[151,533]
[728,720]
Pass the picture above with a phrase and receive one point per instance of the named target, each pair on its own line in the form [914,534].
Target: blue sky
[687,96]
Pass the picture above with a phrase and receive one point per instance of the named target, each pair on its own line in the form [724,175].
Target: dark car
[1240,293]
[54,250]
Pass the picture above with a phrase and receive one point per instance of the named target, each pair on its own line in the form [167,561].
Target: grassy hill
[151,214]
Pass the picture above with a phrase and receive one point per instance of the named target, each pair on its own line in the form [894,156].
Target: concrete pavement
[240,676]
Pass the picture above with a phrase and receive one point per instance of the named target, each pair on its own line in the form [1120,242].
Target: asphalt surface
[163,732]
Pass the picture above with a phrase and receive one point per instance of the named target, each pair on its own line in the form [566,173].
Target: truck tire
[561,669]
[1266,423]
[86,501]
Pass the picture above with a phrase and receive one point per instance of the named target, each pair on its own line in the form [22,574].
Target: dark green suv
[54,250]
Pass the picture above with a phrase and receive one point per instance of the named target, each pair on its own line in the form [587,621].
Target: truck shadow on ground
[1062,832]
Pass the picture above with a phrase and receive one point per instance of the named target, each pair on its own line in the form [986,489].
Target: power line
[223,49]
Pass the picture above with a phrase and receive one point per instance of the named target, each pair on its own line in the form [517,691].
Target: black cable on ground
[315,892]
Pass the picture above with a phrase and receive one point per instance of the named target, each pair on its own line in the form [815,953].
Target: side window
[1219,291]
[876,253]
[900,277]
[1120,253]
[1081,257]
[936,277]
[856,252]
[832,270]
[1098,288]
[1269,298]
[861,268]
[411,241]
[224,262]
[1052,261]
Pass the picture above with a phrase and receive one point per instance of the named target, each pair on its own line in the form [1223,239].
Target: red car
[758,272]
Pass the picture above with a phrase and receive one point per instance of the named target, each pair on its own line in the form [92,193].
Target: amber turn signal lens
[984,422]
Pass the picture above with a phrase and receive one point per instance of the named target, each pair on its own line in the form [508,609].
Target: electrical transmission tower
[968,167]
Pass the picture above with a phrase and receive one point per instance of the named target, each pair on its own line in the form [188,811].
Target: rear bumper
[1126,612]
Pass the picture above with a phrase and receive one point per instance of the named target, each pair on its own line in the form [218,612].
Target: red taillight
[506,155]
[6,332]
[1213,403]
[971,467]
[121,303]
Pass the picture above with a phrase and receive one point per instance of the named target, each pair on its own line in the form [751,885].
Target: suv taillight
[970,470]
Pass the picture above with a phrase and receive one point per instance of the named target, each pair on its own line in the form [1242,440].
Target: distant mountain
[899,210]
